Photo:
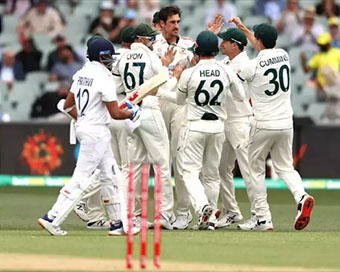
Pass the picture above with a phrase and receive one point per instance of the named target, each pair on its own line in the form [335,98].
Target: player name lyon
[134,56]
[209,73]
[273,60]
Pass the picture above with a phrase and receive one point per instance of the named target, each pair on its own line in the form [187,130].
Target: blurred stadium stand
[17,101]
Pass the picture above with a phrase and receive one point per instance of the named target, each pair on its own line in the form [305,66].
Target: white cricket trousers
[96,152]
[149,143]
[119,134]
[174,115]
[277,143]
[235,147]
[201,149]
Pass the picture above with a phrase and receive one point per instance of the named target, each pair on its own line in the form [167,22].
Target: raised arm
[249,34]
[216,25]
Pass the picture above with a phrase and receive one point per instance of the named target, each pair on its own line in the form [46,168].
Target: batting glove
[135,110]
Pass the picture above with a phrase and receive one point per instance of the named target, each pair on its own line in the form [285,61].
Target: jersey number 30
[278,84]
[201,93]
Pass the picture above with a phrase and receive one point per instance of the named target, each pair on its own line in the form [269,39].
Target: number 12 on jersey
[83,97]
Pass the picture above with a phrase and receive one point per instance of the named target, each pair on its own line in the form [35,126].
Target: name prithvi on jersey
[209,73]
[273,60]
[85,81]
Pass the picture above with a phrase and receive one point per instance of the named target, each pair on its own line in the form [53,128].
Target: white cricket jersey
[235,108]
[183,55]
[121,94]
[268,77]
[206,86]
[92,86]
[138,65]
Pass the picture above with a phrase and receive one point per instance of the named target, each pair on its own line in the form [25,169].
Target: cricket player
[150,139]
[173,114]
[205,87]
[268,77]
[90,208]
[236,129]
[118,128]
[91,101]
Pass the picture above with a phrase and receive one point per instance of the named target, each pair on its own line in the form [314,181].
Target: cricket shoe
[248,224]
[117,230]
[46,223]
[228,219]
[137,223]
[182,221]
[213,220]
[81,210]
[166,223]
[99,224]
[203,220]
[262,225]
[304,209]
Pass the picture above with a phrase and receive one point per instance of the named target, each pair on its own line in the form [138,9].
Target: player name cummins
[274,60]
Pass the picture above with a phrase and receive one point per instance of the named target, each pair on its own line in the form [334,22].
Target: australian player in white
[236,128]
[118,128]
[268,78]
[91,101]
[173,114]
[204,88]
[149,142]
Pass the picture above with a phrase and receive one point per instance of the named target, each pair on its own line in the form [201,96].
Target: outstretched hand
[216,25]
[169,56]
[237,21]
[178,71]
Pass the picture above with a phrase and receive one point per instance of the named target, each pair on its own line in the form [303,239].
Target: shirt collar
[265,51]
[240,57]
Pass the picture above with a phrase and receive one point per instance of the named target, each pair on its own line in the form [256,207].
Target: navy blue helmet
[101,50]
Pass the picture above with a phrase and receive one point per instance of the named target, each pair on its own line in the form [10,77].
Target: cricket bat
[145,89]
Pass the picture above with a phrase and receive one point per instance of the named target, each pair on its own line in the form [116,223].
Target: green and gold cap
[234,35]
[145,30]
[128,34]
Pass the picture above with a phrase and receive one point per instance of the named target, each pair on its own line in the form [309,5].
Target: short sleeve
[246,72]
[182,88]
[73,87]
[314,62]
[108,90]
[183,82]
[157,66]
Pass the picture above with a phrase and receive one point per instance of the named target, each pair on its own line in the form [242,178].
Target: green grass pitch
[318,246]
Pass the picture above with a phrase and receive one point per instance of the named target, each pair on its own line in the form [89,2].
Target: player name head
[274,60]
[209,73]
[85,81]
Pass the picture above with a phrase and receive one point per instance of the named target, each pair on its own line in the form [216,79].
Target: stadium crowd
[48,37]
